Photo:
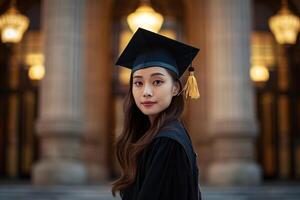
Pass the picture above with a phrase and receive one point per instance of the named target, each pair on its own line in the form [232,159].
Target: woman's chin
[149,112]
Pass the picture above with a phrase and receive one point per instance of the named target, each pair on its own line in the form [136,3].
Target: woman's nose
[147,91]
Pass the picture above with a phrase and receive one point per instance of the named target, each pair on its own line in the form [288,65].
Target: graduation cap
[148,49]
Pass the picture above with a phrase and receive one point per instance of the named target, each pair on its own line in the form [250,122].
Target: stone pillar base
[234,173]
[56,172]
[96,173]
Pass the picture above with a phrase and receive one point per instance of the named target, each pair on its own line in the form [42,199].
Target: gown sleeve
[167,172]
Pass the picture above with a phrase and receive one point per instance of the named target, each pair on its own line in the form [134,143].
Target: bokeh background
[61,95]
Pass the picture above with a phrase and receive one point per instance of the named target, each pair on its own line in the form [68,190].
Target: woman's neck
[152,118]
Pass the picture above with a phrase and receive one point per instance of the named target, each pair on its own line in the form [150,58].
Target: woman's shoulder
[174,130]
[162,147]
[169,136]
[173,125]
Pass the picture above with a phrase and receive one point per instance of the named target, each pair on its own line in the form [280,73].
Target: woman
[154,151]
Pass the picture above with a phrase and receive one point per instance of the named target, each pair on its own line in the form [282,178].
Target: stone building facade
[78,104]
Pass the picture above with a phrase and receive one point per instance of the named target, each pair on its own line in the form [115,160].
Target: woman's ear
[175,88]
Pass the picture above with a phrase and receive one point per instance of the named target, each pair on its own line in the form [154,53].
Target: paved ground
[28,192]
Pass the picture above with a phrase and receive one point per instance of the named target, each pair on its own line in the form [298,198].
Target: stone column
[197,115]
[60,126]
[232,123]
[98,75]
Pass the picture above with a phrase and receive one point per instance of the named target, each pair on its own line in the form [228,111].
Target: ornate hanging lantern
[13,24]
[145,17]
[285,25]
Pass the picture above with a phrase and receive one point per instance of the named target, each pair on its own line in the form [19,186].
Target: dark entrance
[18,112]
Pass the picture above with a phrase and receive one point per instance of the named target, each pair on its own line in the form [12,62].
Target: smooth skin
[153,89]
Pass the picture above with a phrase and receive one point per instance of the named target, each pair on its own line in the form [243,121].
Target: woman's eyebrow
[137,76]
[155,74]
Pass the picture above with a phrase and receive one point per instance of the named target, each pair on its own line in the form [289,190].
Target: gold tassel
[191,87]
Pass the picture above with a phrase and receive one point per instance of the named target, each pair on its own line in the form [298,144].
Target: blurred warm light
[34,59]
[13,25]
[124,75]
[263,49]
[285,25]
[145,17]
[37,69]
[36,72]
[125,36]
[168,33]
[259,73]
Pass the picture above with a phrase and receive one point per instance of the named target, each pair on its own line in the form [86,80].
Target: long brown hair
[138,133]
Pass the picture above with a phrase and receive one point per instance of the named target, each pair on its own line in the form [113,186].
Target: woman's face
[153,89]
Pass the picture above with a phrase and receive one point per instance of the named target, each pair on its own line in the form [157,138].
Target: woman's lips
[148,104]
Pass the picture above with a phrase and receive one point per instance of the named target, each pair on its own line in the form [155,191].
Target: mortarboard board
[148,49]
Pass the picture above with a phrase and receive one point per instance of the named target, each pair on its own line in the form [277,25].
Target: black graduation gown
[167,168]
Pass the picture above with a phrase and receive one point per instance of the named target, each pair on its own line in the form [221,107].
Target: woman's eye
[138,83]
[157,82]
